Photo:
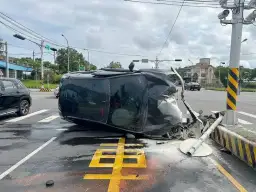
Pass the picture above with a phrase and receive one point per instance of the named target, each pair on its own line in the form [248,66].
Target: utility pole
[237,26]
[54,57]
[42,63]
[6,60]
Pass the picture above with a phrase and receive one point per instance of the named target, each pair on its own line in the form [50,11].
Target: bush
[249,85]
[56,78]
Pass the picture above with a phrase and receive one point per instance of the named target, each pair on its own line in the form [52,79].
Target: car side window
[8,85]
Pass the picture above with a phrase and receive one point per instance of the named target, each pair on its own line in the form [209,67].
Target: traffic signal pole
[237,22]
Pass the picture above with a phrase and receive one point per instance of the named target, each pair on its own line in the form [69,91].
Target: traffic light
[19,37]
[178,59]
[50,48]
[53,49]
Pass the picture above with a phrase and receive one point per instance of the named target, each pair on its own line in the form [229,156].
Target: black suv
[14,97]
[192,86]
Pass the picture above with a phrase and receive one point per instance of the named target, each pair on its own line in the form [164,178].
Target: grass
[224,89]
[33,84]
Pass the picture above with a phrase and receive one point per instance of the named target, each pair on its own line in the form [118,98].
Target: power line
[172,27]
[173,4]
[22,53]
[15,30]
[30,31]
[63,46]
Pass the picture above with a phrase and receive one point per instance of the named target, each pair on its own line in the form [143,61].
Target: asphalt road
[42,147]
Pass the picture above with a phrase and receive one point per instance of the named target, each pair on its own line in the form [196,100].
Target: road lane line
[48,119]
[244,122]
[228,176]
[27,116]
[8,171]
[247,114]
[239,120]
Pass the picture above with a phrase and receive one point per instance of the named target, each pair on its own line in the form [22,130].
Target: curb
[242,148]
[45,90]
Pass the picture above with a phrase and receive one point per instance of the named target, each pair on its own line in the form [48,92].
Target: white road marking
[27,116]
[48,119]
[244,122]
[8,171]
[248,114]
[239,120]
[62,129]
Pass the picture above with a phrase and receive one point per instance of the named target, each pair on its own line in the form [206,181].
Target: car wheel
[24,107]
[198,89]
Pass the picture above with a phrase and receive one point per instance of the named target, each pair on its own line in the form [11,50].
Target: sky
[136,29]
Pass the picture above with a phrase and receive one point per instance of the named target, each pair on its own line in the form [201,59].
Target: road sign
[47,47]
[144,60]
[82,68]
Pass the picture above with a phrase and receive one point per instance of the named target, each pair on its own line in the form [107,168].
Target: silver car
[56,92]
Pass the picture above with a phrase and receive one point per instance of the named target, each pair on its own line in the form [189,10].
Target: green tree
[114,65]
[252,74]
[75,58]
[223,71]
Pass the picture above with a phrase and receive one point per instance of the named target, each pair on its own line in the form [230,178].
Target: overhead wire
[172,27]
[174,4]
[63,46]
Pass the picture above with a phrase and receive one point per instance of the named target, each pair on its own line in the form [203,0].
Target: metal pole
[88,60]
[233,77]
[42,63]
[6,60]
[54,57]
[67,50]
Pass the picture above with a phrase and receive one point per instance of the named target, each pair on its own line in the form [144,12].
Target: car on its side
[192,86]
[14,97]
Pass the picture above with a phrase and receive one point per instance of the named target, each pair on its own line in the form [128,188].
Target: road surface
[42,147]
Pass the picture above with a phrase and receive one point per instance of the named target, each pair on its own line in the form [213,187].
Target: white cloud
[125,27]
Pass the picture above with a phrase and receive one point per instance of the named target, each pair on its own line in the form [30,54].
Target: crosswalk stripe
[239,120]
[48,119]
[27,116]
[247,114]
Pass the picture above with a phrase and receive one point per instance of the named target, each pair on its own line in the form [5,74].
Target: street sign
[144,60]
[47,47]
[82,68]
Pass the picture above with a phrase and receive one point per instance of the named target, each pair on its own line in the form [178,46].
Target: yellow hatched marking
[236,71]
[233,81]
[232,93]
[248,153]
[240,149]
[231,105]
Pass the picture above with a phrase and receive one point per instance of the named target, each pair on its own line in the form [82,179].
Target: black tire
[24,107]
[198,89]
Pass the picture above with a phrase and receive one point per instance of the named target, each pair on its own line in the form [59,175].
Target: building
[202,72]
[15,71]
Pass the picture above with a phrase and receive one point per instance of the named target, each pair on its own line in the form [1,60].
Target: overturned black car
[141,101]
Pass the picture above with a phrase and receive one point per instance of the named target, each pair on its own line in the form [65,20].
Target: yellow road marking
[116,176]
[229,176]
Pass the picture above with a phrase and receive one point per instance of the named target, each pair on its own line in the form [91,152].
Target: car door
[10,99]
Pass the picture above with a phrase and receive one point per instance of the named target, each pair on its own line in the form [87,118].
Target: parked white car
[56,92]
